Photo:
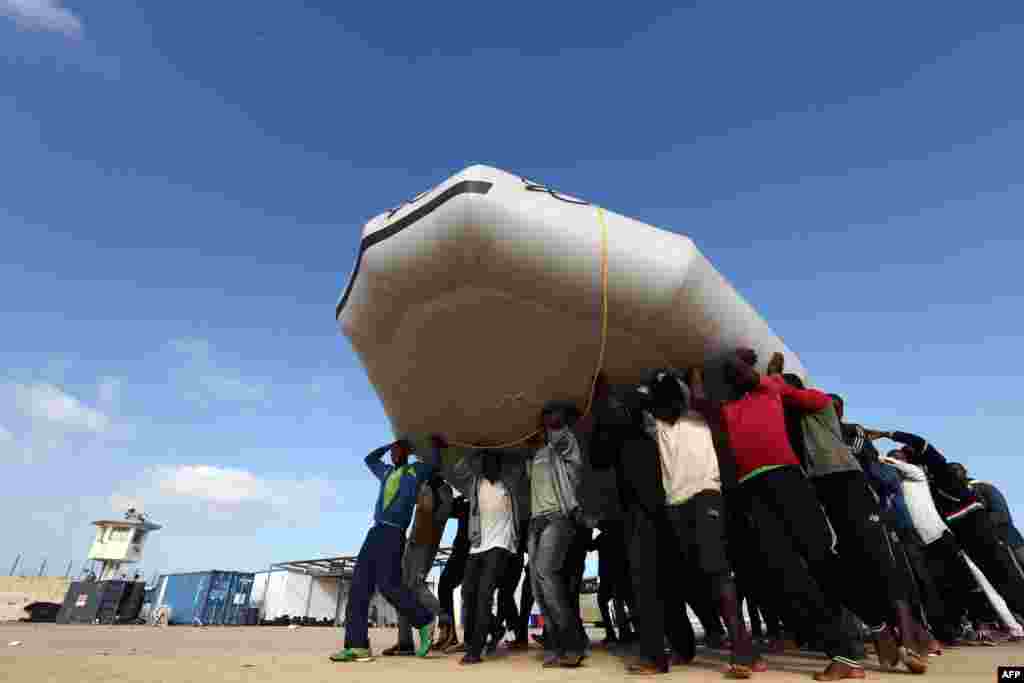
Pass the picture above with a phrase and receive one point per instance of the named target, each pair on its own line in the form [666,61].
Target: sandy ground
[142,654]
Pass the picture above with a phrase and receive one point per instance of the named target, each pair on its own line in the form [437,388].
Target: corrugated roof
[341,566]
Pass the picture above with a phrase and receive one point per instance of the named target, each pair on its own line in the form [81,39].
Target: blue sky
[182,193]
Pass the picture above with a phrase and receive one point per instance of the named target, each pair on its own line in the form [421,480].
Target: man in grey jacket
[555,472]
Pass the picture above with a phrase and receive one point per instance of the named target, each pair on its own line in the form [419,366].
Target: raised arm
[906,470]
[923,453]
[609,417]
[807,400]
[431,462]
[609,411]
[710,409]
[463,473]
[379,469]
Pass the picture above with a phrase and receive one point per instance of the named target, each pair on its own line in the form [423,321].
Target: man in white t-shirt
[492,489]
[694,506]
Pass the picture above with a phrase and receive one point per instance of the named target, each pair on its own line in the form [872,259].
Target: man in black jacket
[620,441]
[998,511]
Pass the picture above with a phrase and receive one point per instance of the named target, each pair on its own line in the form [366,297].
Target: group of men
[766,496]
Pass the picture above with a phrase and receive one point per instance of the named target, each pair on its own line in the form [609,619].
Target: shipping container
[105,602]
[293,594]
[210,597]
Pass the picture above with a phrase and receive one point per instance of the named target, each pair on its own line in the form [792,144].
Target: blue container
[212,597]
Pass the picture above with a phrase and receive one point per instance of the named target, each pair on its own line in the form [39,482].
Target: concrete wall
[18,591]
[40,588]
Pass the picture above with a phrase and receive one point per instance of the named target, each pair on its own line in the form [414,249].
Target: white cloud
[210,499]
[49,404]
[216,484]
[203,379]
[42,15]
[41,420]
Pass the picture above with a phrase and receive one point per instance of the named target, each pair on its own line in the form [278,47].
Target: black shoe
[399,651]
[570,661]
[469,660]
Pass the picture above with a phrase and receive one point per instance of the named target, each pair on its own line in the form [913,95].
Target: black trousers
[869,580]
[976,535]
[905,565]
[451,577]
[577,560]
[654,565]
[744,558]
[484,572]
[706,610]
[508,612]
[699,529]
[613,575]
[796,555]
[914,550]
[520,615]
[949,587]
[525,607]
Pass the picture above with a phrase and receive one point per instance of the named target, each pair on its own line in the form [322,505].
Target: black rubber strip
[466,186]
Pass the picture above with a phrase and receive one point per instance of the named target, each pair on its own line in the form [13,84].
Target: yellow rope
[604,340]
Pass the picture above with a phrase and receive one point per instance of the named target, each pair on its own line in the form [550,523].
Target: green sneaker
[426,639]
[353,654]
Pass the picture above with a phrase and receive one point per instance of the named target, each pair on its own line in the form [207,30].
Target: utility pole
[14,567]
[42,568]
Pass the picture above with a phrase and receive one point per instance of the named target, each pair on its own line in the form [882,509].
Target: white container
[481,299]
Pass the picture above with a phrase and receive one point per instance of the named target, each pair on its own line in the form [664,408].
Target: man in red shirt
[793,534]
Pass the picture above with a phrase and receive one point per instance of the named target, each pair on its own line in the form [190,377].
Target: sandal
[914,662]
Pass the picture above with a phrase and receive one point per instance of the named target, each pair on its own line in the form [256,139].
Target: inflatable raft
[474,303]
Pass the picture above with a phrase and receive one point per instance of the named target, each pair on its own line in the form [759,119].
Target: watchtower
[120,542]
